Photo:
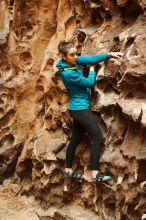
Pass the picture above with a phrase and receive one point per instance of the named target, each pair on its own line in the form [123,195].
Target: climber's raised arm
[90,60]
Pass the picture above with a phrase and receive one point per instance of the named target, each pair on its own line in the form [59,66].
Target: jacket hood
[61,65]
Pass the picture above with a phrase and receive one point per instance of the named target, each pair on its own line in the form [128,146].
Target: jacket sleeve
[89,60]
[73,78]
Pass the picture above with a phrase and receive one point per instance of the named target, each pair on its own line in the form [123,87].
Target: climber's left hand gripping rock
[117,55]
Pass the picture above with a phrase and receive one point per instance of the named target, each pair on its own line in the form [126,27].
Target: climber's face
[71,56]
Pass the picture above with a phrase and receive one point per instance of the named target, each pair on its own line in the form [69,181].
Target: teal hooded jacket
[78,86]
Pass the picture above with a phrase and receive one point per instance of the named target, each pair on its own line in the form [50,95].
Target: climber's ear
[63,57]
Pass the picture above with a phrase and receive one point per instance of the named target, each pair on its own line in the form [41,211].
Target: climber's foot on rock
[73,175]
[100,178]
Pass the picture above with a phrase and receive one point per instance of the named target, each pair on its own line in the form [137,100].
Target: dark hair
[64,45]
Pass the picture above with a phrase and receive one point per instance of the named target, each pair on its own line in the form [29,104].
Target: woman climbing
[78,88]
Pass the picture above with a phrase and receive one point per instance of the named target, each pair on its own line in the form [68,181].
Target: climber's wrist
[92,67]
[110,55]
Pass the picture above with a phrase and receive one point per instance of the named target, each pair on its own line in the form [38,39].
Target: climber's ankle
[94,172]
[68,170]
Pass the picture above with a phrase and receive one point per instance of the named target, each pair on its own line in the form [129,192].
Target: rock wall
[34,121]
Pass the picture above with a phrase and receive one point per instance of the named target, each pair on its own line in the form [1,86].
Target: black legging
[83,120]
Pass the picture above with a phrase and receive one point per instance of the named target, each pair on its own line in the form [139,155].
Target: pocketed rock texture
[35,125]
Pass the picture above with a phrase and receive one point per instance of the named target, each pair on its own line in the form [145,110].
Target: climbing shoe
[73,175]
[100,178]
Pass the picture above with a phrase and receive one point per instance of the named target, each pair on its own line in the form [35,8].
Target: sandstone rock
[35,123]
